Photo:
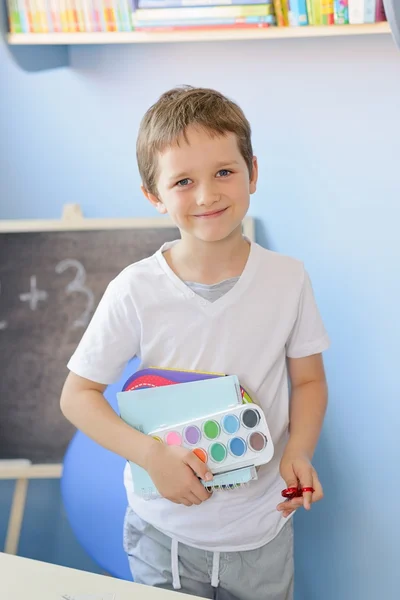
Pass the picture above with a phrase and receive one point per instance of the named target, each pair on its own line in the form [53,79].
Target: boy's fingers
[318,491]
[200,491]
[193,498]
[185,501]
[306,481]
[292,483]
[292,504]
[200,468]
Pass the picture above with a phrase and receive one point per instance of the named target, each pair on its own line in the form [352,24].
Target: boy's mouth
[210,214]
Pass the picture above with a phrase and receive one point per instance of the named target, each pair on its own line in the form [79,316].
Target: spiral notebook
[154,408]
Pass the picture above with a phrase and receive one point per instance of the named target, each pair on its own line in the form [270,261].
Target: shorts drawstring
[176,581]
[215,570]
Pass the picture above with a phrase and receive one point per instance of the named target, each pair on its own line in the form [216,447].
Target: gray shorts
[263,574]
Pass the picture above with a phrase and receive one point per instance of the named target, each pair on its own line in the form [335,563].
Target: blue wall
[326,121]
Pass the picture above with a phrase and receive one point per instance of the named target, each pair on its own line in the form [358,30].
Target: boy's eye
[183,182]
[223,173]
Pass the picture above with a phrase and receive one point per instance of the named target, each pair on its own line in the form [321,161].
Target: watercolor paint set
[230,439]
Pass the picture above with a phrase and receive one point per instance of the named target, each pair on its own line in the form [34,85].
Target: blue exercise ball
[94,495]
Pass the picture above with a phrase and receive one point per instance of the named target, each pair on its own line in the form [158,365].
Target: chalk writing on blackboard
[78,285]
[34,295]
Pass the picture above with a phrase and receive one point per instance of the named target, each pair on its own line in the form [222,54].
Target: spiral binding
[249,474]
[150,494]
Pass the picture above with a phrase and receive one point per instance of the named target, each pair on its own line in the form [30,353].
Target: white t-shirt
[269,314]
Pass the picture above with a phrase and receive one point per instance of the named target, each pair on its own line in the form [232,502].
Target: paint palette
[227,440]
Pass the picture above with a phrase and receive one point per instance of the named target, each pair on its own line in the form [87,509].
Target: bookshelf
[139,37]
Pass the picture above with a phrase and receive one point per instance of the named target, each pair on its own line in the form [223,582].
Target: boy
[212,301]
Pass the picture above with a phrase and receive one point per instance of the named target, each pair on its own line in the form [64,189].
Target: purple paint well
[192,435]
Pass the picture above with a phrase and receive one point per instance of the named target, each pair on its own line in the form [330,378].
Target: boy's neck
[208,262]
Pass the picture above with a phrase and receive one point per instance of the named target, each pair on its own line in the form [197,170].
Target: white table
[27,579]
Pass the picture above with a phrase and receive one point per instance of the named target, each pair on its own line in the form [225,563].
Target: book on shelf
[187,3]
[356,12]
[380,11]
[202,23]
[221,27]
[69,16]
[298,16]
[281,12]
[204,12]
[111,16]
[369,11]
[341,12]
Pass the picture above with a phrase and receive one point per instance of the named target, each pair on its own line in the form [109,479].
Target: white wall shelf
[138,37]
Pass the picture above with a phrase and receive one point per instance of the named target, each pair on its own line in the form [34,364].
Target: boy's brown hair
[169,117]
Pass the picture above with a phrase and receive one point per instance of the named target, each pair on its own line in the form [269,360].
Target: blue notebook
[154,408]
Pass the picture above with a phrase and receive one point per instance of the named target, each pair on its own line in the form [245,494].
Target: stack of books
[177,15]
[69,16]
[74,16]
[183,14]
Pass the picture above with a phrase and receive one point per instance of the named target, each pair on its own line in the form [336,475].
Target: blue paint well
[230,424]
[237,447]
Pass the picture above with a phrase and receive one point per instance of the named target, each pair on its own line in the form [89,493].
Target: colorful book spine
[80,16]
[23,16]
[310,13]
[200,22]
[120,15]
[63,12]
[35,16]
[87,9]
[327,12]
[298,13]
[356,12]
[281,12]
[45,23]
[14,20]
[369,11]
[316,11]
[175,27]
[72,27]
[127,14]
[28,14]
[380,11]
[203,12]
[98,18]
[341,12]
[54,15]
[109,15]
[194,3]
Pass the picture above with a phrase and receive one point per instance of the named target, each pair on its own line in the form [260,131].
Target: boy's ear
[158,205]
[254,176]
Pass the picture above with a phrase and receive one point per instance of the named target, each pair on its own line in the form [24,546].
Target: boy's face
[204,185]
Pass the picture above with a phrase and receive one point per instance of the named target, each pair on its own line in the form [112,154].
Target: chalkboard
[50,284]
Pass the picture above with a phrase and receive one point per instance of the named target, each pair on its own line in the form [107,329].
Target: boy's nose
[207,196]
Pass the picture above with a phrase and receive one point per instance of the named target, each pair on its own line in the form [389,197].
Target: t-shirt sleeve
[111,339]
[308,335]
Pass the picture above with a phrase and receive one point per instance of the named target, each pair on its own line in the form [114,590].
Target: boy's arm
[173,469]
[308,402]
[82,402]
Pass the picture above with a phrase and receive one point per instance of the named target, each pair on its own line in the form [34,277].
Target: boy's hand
[297,471]
[175,471]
